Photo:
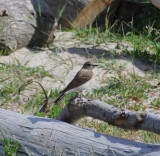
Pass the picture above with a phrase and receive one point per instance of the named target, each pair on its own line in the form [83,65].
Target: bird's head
[89,65]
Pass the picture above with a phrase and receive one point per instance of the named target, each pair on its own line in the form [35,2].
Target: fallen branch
[77,13]
[43,136]
[80,107]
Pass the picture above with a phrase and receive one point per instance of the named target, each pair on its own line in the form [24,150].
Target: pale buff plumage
[81,81]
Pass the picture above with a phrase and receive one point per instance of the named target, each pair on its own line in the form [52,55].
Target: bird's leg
[85,97]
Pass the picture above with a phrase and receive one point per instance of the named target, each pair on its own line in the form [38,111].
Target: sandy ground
[65,61]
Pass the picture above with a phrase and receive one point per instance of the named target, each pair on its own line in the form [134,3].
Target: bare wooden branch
[77,13]
[43,136]
[90,12]
[80,107]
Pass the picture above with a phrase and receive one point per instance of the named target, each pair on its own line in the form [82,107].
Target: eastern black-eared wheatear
[80,82]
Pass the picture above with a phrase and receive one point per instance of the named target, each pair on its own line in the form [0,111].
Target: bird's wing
[80,78]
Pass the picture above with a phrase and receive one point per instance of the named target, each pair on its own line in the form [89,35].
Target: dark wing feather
[59,98]
[81,77]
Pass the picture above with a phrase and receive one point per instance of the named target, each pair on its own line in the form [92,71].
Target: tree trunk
[43,136]
[24,24]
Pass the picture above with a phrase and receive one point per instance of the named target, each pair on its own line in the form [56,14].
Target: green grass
[15,75]
[104,128]
[13,148]
[124,87]
[143,45]
[34,102]
[143,36]
[57,108]
[155,103]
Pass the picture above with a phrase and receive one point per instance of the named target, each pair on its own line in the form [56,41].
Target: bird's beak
[95,65]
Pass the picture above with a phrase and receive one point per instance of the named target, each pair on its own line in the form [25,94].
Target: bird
[80,82]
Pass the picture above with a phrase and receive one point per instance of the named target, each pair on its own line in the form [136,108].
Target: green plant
[3,52]
[57,108]
[10,147]
[13,148]
[39,8]
[13,76]
[61,12]
[34,101]
[155,103]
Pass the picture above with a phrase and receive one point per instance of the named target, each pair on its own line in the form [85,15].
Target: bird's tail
[59,98]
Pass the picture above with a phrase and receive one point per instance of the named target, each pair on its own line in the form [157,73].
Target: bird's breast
[83,86]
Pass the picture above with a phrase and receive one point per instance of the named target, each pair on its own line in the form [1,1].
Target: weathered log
[43,136]
[80,107]
[78,13]
[156,3]
[24,23]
